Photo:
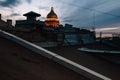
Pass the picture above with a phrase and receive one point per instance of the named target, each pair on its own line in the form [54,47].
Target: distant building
[77,36]
[29,29]
[49,30]
[52,19]
[7,26]
[69,35]
[31,22]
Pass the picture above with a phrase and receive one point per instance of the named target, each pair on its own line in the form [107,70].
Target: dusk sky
[79,13]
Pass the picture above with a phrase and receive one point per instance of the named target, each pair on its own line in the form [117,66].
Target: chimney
[9,21]
[0,16]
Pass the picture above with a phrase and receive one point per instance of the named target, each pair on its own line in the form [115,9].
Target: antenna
[94,24]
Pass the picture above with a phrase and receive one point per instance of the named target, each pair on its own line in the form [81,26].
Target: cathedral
[52,19]
[31,22]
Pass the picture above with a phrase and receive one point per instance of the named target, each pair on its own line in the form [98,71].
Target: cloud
[2,0]
[80,13]
[75,12]
[107,29]
[43,8]
[109,18]
[43,18]
[9,3]
[29,1]
[14,14]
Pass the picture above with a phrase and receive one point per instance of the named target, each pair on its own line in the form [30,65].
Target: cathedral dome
[52,14]
[52,19]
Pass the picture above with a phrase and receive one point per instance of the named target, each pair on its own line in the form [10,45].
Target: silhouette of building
[29,29]
[30,22]
[49,30]
[52,19]
[76,36]
[6,25]
[69,35]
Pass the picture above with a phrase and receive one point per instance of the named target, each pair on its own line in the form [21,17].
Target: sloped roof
[31,13]
[20,63]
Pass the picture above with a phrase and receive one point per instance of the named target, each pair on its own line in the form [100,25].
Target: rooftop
[92,61]
[31,13]
[20,63]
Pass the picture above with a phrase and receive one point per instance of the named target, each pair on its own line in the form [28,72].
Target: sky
[104,15]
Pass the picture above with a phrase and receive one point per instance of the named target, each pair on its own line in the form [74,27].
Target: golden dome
[52,14]
[52,19]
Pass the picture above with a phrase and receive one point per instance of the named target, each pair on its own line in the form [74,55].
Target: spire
[52,9]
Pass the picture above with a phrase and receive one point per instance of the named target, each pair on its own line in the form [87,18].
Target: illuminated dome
[52,19]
